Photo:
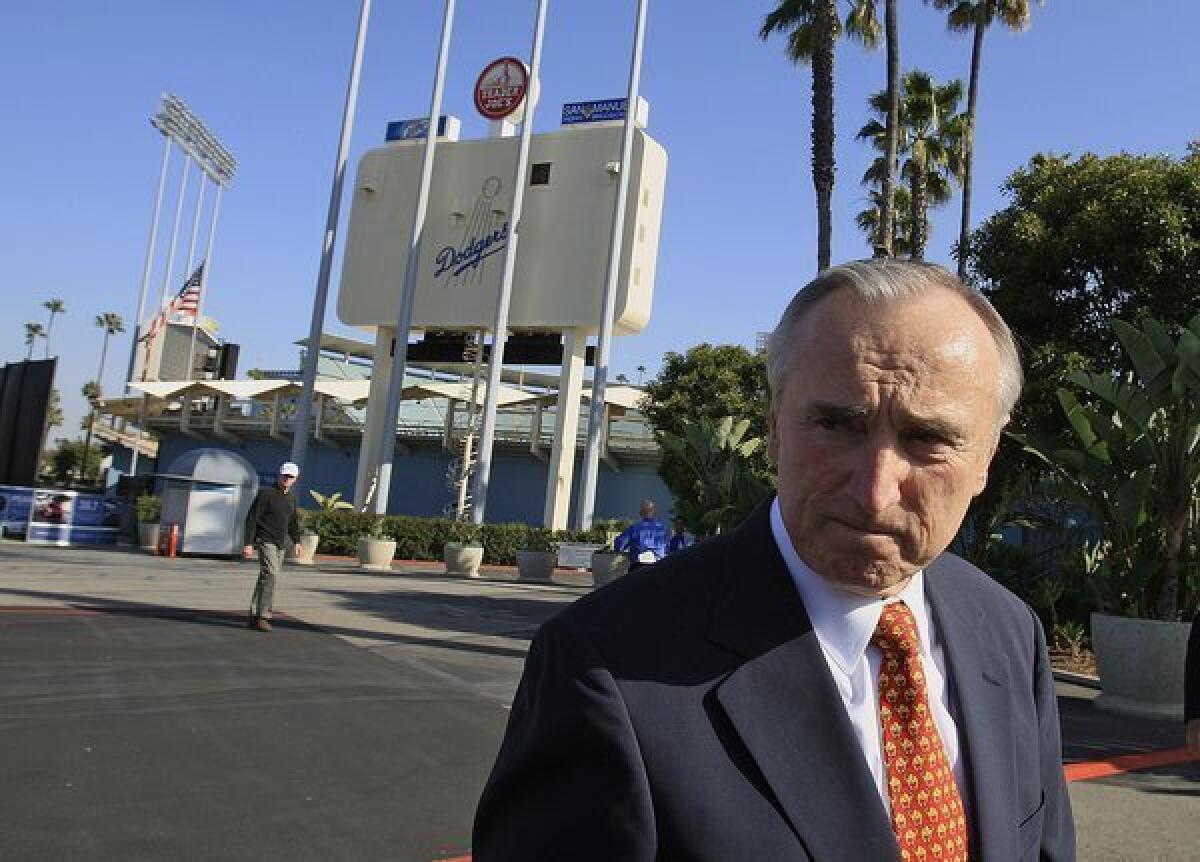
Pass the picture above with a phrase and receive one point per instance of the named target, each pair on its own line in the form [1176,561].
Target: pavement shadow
[145,610]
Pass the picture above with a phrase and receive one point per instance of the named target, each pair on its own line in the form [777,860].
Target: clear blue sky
[81,160]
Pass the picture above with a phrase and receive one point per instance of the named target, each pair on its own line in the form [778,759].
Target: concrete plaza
[143,720]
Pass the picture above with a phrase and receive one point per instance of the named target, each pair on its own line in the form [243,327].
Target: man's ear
[982,479]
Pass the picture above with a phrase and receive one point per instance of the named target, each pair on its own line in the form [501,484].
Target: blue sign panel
[61,517]
[413,130]
[593,112]
[15,503]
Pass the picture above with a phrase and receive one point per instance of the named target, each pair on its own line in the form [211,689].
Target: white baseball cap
[287,468]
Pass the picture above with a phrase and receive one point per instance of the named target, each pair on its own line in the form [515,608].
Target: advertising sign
[602,111]
[501,87]
[413,130]
[15,503]
[59,517]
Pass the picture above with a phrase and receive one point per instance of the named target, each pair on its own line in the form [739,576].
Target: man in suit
[824,683]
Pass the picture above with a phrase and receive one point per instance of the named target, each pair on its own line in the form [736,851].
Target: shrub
[148,508]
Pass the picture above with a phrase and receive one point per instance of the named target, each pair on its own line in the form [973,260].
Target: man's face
[883,434]
[286,482]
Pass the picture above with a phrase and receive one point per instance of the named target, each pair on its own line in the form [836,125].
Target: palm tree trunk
[29,352]
[964,228]
[49,329]
[887,217]
[822,127]
[87,444]
[918,211]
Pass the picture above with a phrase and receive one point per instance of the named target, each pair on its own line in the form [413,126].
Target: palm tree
[976,16]
[870,219]
[812,28]
[930,138]
[111,323]
[33,331]
[55,307]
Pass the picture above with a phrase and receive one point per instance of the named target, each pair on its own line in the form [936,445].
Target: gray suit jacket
[687,713]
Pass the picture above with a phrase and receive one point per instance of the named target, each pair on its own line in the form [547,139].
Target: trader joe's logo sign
[501,88]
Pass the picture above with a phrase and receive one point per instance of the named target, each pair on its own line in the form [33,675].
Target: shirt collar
[844,622]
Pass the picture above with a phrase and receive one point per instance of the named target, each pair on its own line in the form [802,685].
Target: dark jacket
[688,713]
[272,518]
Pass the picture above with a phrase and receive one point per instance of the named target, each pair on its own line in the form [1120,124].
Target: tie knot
[897,630]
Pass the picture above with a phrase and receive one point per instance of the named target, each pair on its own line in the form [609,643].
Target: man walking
[271,522]
[644,542]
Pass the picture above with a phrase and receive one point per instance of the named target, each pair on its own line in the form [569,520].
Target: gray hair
[885,280]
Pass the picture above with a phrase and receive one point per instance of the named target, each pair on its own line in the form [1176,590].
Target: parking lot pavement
[143,720]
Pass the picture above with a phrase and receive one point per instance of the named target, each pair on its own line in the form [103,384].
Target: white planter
[1141,666]
[535,565]
[375,555]
[308,549]
[147,536]
[607,566]
[462,560]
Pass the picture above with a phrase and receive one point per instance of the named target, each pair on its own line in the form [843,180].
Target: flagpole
[191,252]
[596,416]
[483,465]
[321,299]
[387,440]
[149,265]
[166,285]
[207,264]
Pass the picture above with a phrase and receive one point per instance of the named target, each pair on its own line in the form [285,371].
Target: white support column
[566,430]
[146,271]
[381,370]
[535,431]
[448,426]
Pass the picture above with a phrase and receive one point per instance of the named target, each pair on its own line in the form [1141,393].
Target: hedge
[424,538]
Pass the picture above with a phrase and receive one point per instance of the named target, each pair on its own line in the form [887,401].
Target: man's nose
[879,473]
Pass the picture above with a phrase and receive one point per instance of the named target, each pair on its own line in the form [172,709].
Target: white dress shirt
[844,624]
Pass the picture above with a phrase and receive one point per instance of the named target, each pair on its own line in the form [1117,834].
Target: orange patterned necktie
[927,812]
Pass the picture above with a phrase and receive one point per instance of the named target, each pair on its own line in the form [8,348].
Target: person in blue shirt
[644,542]
[679,537]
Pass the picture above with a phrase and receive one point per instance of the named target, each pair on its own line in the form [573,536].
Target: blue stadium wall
[517,492]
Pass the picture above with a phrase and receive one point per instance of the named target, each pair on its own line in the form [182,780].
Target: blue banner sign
[15,503]
[413,130]
[593,112]
[61,517]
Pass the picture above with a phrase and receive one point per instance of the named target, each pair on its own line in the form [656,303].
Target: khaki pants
[270,558]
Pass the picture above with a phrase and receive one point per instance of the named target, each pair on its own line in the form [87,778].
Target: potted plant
[608,565]
[1136,470]
[310,535]
[375,549]
[536,561]
[148,509]
[463,554]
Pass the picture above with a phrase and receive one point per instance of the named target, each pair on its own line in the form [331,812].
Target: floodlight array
[177,122]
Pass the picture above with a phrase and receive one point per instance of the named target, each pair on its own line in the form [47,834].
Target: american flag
[188,298]
[187,301]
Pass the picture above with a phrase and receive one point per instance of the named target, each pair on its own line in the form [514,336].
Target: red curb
[1128,763]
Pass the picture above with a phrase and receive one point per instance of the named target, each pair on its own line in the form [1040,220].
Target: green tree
[975,16]
[54,414]
[707,382]
[721,486]
[1087,239]
[811,29]
[33,331]
[930,141]
[870,220]
[55,307]
[1136,460]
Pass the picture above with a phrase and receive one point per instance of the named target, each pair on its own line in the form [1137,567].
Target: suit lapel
[981,686]
[784,706]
